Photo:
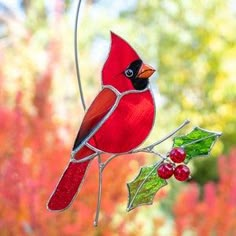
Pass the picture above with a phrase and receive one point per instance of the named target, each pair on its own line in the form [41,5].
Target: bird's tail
[70,182]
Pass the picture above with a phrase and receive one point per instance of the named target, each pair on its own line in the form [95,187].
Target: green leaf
[143,188]
[198,142]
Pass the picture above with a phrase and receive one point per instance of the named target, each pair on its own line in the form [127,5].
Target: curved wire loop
[76,55]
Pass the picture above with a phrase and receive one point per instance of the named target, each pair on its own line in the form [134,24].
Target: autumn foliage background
[193,46]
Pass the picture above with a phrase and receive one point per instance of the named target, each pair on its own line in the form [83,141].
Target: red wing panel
[98,109]
[128,126]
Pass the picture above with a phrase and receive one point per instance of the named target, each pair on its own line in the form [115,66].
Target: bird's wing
[97,113]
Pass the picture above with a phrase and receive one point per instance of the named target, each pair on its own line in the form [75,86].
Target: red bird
[118,120]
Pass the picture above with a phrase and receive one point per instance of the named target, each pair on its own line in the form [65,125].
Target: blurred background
[193,45]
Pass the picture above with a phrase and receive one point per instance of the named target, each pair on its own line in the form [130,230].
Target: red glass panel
[68,186]
[126,128]
[120,56]
[129,124]
[98,109]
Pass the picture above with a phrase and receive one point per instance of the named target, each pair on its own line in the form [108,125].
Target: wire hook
[76,56]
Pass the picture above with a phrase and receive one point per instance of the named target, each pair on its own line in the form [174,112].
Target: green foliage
[208,170]
[195,59]
[195,51]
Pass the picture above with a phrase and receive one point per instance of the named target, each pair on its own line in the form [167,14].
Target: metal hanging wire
[76,55]
[84,107]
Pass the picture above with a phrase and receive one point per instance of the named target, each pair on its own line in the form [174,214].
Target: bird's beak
[145,71]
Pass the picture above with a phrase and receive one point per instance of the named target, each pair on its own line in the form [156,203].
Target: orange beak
[145,71]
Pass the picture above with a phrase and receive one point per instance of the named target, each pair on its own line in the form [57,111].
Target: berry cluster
[181,172]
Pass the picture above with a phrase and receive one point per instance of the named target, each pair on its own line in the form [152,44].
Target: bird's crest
[120,56]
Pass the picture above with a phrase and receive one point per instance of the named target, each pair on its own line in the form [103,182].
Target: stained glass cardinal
[119,119]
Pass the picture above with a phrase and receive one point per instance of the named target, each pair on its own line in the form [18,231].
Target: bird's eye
[129,73]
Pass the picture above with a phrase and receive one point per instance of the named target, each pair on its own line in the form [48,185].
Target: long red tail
[68,185]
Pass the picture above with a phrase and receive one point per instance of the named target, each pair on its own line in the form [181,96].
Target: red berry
[165,171]
[181,172]
[177,155]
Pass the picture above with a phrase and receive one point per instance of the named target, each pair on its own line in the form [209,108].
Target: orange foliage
[215,213]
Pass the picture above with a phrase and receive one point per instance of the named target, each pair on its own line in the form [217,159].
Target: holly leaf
[144,187]
[198,142]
